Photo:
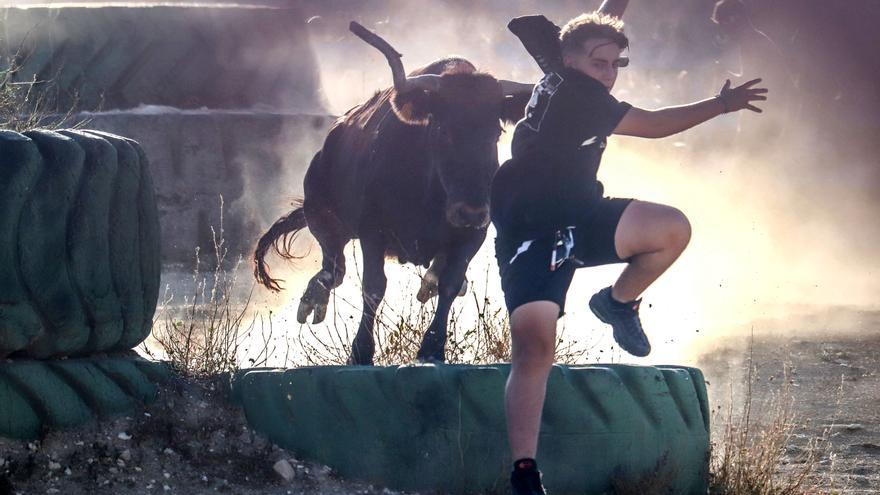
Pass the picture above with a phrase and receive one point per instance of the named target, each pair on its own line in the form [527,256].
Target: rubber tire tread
[39,396]
[88,241]
[43,249]
[442,428]
[20,165]
[80,256]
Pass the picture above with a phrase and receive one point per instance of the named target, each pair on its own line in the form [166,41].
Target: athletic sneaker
[526,481]
[624,319]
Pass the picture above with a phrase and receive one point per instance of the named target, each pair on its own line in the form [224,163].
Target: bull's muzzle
[465,216]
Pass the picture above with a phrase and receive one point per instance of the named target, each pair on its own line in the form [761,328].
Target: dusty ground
[832,380]
[192,441]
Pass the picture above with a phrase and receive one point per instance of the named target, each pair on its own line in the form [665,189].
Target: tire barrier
[178,56]
[41,395]
[442,428]
[79,244]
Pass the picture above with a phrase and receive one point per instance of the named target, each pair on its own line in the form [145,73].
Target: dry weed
[206,333]
[28,105]
[751,455]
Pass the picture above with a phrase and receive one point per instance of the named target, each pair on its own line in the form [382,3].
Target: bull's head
[462,110]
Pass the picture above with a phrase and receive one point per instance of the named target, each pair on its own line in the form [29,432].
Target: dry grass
[478,332]
[28,105]
[750,455]
[205,333]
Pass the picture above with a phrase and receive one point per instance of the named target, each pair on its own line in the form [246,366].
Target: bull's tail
[279,237]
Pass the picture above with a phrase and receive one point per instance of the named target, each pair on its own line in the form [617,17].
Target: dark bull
[408,173]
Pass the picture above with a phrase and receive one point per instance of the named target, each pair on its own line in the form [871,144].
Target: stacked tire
[79,244]
[79,275]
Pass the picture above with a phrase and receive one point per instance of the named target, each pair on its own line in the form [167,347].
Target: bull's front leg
[431,280]
[433,348]
[363,348]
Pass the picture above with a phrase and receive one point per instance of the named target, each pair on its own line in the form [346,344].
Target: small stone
[120,463]
[166,488]
[123,436]
[53,490]
[285,470]
[125,455]
[168,451]
[54,466]
[138,469]
[166,475]
[67,471]
[204,478]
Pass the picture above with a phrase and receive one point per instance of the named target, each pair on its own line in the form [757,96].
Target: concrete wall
[255,161]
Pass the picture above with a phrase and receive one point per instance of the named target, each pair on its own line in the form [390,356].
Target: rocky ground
[192,440]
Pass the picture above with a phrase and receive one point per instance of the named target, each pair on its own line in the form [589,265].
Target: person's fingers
[757,98]
[750,83]
[726,85]
[759,90]
[753,108]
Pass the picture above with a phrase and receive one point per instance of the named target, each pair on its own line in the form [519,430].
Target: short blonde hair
[589,26]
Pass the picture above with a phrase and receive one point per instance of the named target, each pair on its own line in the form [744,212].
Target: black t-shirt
[557,147]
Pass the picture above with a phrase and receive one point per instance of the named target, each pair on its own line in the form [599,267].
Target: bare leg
[650,237]
[533,334]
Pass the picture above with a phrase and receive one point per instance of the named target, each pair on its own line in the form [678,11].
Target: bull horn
[429,82]
[613,8]
[510,88]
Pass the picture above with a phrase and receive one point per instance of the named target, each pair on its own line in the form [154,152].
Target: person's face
[598,58]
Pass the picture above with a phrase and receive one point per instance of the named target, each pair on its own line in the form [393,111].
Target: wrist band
[723,102]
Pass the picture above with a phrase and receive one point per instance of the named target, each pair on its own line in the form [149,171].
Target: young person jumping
[552,217]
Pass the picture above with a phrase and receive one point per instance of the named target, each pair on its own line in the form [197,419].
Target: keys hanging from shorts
[562,248]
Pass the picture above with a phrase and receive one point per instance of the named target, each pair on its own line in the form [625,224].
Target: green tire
[442,428]
[79,244]
[39,396]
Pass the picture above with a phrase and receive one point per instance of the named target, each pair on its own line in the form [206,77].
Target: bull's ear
[514,107]
[413,107]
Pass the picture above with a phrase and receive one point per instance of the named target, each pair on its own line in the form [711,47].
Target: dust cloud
[783,204]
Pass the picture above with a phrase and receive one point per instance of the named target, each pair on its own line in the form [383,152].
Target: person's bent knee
[679,231]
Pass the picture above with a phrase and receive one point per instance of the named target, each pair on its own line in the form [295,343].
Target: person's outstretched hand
[742,96]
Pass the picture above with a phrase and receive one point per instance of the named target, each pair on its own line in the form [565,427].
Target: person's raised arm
[672,120]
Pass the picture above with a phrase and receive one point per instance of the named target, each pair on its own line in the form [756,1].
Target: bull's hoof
[315,299]
[354,361]
[431,358]
[428,289]
[357,358]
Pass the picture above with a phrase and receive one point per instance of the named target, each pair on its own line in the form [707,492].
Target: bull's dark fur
[407,174]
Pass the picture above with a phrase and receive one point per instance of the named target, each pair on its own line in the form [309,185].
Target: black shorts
[525,266]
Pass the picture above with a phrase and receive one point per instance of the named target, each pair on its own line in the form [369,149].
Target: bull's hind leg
[330,234]
[363,347]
